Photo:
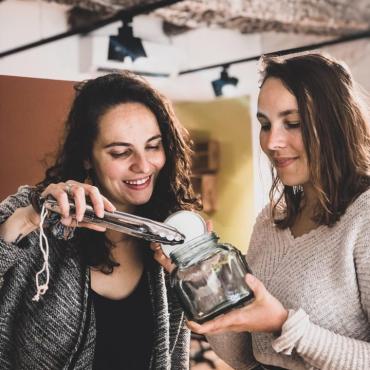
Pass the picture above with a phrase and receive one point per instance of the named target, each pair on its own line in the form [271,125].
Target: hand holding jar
[208,276]
[264,314]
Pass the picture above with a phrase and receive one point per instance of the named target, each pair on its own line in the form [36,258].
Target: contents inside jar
[209,278]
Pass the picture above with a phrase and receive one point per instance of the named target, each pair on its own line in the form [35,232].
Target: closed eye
[292,125]
[265,126]
[156,146]
[124,154]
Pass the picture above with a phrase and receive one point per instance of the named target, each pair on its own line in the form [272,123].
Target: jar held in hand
[209,277]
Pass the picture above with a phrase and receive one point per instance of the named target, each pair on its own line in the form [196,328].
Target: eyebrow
[122,143]
[283,113]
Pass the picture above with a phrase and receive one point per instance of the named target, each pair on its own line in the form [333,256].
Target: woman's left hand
[264,314]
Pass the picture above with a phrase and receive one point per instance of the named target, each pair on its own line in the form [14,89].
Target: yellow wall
[228,121]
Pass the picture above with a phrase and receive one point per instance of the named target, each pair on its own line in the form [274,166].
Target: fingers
[210,327]
[96,200]
[161,258]
[73,191]
[264,314]
[57,191]
[235,320]
[220,324]
[108,205]
[78,194]
[209,224]
[92,226]
[155,246]
[257,286]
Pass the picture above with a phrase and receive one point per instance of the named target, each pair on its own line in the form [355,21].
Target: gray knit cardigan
[58,332]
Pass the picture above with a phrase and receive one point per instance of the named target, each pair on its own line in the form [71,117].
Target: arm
[325,349]
[320,347]
[23,221]
[17,220]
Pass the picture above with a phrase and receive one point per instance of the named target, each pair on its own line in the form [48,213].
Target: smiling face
[280,135]
[128,155]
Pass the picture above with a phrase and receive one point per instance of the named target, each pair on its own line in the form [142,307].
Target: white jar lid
[189,223]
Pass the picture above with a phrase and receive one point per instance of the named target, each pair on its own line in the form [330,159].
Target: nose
[140,163]
[276,139]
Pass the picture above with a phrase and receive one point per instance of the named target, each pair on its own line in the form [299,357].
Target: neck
[309,196]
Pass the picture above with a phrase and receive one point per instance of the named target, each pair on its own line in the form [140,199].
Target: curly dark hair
[335,132]
[173,190]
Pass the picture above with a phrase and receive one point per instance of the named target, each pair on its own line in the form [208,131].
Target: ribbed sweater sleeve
[320,347]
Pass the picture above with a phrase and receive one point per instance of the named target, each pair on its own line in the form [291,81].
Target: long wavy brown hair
[173,190]
[335,131]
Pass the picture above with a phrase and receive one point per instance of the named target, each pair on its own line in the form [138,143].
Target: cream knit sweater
[323,278]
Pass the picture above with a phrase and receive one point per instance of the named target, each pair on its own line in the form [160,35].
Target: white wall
[22,22]
[355,53]
[72,58]
[76,57]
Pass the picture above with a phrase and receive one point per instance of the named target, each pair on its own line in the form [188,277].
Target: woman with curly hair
[107,304]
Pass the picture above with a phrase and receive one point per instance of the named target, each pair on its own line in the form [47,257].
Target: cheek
[107,169]
[301,149]
[297,141]
[159,161]
[263,142]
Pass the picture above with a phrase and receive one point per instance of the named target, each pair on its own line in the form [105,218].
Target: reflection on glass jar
[209,277]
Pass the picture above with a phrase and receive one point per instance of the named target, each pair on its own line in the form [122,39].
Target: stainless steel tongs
[127,223]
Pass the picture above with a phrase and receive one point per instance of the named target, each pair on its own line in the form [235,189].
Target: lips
[138,184]
[284,162]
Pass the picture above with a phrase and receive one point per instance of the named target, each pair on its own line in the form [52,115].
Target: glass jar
[209,277]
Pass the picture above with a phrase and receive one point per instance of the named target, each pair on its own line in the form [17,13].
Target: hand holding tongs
[127,223]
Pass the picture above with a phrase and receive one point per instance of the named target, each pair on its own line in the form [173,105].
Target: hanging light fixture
[225,82]
[125,44]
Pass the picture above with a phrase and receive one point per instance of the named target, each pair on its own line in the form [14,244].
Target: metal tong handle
[127,223]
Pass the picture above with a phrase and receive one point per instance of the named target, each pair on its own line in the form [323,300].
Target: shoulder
[353,228]
[20,196]
[264,218]
[262,228]
[14,201]
[358,209]
[363,200]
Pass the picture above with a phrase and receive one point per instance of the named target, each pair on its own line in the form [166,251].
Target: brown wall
[32,114]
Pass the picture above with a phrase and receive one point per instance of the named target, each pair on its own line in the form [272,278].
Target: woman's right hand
[78,192]
[161,258]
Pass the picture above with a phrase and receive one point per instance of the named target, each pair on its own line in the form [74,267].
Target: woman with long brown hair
[310,248]
[105,303]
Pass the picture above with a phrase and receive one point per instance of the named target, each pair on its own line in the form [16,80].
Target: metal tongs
[127,223]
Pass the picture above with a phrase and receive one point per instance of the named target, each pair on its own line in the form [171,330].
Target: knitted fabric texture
[323,278]
[58,332]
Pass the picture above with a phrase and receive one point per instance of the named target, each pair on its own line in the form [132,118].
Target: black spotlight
[125,45]
[224,80]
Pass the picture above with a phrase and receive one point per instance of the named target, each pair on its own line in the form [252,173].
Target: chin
[291,183]
[140,201]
